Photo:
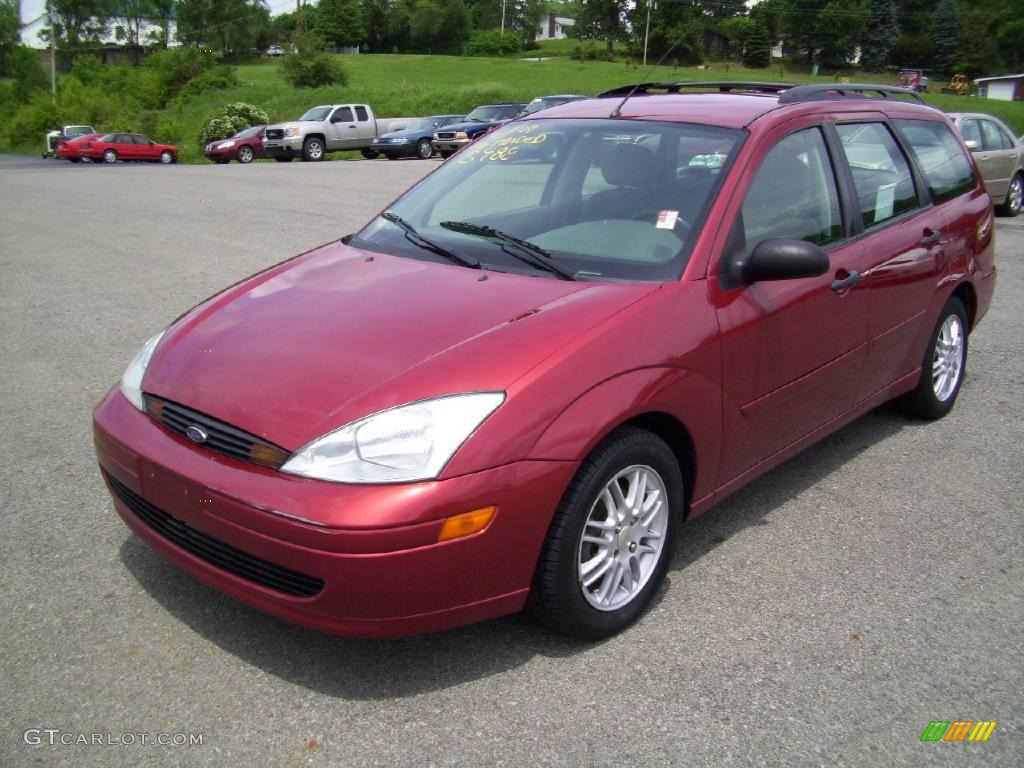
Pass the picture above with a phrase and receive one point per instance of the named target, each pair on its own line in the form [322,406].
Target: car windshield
[602,199]
[543,103]
[422,124]
[316,114]
[77,130]
[489,114]
[248,132]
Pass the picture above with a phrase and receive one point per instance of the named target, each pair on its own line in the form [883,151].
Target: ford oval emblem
[195,434]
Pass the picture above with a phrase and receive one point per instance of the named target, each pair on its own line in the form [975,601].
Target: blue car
[479,121]
[414,140]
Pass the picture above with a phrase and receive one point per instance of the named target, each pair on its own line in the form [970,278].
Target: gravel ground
[820,617]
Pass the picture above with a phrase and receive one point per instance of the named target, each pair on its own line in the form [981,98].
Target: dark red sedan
[482,402]
[245,146]
[128,146]
[70,149]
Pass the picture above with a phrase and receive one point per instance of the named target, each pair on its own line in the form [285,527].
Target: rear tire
[424,149]
[1014,195]
[943,367]
[391,156]
[611,538]
[110,156]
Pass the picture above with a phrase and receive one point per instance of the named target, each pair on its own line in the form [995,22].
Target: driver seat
[635,178]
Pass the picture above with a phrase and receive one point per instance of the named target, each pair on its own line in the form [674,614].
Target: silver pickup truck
[329,128]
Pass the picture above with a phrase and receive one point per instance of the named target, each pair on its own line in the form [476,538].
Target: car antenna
[618,109]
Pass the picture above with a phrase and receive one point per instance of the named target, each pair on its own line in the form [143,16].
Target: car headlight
[461,135]
[292,133]
[226,145]
[400,141]
[400,445]
[131,381]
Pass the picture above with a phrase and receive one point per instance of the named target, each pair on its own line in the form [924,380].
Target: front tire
[245,155]
[944,365]
[110,156]
[166,157]
[284,158]
[370,154]
[445,153]
[1014,195]
[313,150]
[611,539]
[424,149]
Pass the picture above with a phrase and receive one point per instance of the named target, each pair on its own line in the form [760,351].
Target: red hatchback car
[70,149]
[128,146]
[245,146]
[480,403]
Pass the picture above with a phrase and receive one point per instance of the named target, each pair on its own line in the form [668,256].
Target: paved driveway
[821,617]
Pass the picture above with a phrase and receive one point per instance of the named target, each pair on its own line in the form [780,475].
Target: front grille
[220,437]
[445,135]
[214,552]
[275,133]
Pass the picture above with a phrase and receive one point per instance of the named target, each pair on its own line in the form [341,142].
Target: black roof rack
[828,92]
[721,87]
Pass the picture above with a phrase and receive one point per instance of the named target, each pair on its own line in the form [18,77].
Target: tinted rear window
[942,159]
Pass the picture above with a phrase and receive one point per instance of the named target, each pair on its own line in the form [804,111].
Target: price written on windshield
[504,148]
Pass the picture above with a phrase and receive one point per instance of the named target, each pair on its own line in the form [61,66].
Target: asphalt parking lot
[823,616]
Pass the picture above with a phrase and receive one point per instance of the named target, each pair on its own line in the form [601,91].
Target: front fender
[691,398]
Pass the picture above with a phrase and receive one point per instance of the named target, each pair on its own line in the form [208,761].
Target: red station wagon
[481,402]
[128,146]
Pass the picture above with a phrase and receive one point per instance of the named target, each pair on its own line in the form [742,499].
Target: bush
[28,73]
[309,66]
[231,119]
[217,79]
[34,119]
[175,67]
[490,42]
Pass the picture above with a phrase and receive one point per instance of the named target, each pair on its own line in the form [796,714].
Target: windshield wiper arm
[417,239]
[532,254]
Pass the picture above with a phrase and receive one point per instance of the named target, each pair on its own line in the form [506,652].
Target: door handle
[352,127]
[931,236]
[843,283]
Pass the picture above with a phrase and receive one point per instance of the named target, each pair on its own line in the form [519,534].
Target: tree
[341,22]
[677,30]
[227,25]
[758,51]
[77,21]
[128,16]
[946,34]
[439,26]
[880,37]
[164,11]
[602,20]
[10,24]
[826,31]
[28,73]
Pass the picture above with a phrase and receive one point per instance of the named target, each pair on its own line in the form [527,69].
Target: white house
[34,21]
[1003,87]
[554,28]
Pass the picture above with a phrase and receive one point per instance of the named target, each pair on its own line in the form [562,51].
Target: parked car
[127,146]
[543,102]
[511,387]
[415,139]
[275,50]
[66,133]
[245,146]
[329,128]
[70,149]
[999,155]
[914,79]
[482,119]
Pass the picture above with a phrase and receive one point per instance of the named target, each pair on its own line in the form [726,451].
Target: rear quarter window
[942,160]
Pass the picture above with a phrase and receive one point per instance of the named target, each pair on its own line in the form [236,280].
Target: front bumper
[450,145]
[290,147]
[374,547]
[408,148]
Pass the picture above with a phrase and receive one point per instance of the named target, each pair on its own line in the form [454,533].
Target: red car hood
[312,344]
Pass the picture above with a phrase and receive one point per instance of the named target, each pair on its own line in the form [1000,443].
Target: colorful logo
[958,730]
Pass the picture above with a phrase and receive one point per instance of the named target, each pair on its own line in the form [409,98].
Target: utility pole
[502,18]
[53,60]
[647,29]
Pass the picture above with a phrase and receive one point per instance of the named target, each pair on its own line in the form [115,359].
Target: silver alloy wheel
[623,538]
[166,157]
[110,156]
[245,154]
[425,149]
[1016,193]
[948,361]
[315,150]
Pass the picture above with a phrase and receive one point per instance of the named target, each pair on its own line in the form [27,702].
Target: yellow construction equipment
[958,85]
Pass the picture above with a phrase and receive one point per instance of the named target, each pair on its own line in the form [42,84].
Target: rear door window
[940,156]
[361,114]
[971,132]
[881,173]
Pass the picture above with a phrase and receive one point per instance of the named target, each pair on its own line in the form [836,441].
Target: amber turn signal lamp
[466,524]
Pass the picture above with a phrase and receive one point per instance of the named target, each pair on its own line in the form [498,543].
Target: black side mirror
[783,260]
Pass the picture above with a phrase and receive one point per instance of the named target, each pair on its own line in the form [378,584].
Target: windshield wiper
[530,253]
[416,238]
